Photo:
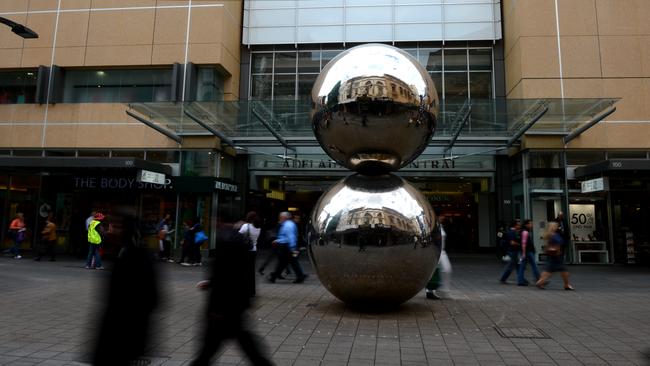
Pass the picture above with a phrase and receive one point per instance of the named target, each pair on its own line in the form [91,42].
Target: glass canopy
[254,120]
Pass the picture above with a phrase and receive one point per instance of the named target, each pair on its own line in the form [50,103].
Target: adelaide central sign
[320,164]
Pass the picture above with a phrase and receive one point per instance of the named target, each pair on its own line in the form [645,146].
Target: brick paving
[48,317]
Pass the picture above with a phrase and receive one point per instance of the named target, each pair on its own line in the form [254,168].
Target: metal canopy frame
[160,129]
[459,122]
[211,129]
[578,131]
[268,126]
[528,119]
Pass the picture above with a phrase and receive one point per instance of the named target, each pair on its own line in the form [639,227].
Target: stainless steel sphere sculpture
[372,235]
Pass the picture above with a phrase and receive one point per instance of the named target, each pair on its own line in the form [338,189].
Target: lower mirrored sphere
[372,240]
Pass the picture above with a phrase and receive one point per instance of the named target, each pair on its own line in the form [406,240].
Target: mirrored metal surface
[371,240]
[374,108]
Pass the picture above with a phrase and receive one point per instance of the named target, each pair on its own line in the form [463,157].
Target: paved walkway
[47,317]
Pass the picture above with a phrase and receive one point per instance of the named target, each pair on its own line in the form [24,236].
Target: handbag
[552,249]
[20,236]
[200,237]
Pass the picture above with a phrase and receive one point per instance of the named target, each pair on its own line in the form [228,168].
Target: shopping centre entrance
[460,199]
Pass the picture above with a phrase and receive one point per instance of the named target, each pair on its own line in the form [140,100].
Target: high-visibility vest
[93,235]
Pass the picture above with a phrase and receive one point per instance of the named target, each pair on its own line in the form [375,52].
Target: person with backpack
[251,230]
[527,255]
[513,236]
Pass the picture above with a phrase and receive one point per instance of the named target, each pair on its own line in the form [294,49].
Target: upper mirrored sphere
[374,108]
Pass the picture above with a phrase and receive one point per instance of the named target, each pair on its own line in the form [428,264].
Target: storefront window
[164,156]
[209,86]
[139,154]
[116,86]
[584,157]
[94,153]
[18,87]
[227,166]
[199,163]
[67,153]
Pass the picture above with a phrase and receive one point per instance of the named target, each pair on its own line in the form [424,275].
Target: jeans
[529,258]
[93,251]
[510,266]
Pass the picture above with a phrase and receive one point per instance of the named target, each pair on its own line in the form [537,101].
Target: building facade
[218,95]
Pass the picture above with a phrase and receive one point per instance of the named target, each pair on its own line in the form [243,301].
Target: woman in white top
[251,230]
[438,285]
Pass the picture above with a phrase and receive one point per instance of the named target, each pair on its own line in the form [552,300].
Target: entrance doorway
[466,202]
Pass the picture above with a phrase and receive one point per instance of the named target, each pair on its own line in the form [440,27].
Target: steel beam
[211,129]
[273,132]
[578,131]
[459,122]
[162,130]
[528,120]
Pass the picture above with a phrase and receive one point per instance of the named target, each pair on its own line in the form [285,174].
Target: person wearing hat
[95,232]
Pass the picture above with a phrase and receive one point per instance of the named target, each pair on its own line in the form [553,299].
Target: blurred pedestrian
[251,230]
[554,250]
[186,243]
[513,236]
[527,254]
[95,233]
[164,238]
[48,240]
[440,283]
[17,231]
[200,237]
[132,296]
[287,242]
[229,299]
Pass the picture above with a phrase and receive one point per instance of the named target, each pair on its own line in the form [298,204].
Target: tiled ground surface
[47,318]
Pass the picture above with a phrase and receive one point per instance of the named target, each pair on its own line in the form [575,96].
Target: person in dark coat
[229,298]
[133,295]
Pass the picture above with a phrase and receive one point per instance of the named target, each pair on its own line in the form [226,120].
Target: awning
[23,163]
[461,121]
[607,167]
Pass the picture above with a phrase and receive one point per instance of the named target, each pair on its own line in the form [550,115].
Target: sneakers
[170,260]
[431,294]
[89,267]
[18,257]
[197,264]
[185,264]
[100,267]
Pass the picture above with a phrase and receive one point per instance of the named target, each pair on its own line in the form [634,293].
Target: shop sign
[148,176]
[204,185]
[594,185]
[103,182]
[223,186]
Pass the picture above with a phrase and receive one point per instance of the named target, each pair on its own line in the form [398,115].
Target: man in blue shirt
[287,243]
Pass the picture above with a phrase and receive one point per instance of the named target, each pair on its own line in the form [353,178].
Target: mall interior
[544,108]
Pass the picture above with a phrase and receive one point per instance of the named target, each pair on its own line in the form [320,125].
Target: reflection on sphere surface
[374,108]
[372,241]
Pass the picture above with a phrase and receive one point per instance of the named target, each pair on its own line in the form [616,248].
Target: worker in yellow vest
[95,232]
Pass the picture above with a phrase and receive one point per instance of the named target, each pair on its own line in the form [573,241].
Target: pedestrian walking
[133,294]
[440,283]
[287,242]
[527,255]
[269,238]
[513,237]
[200,237]
[164,238]
[48,240]
[554,250]
[95,233]
[251,230]
[17,232]
[186,243]
[229,299]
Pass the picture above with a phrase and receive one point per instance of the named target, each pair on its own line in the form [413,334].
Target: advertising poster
[583,221]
